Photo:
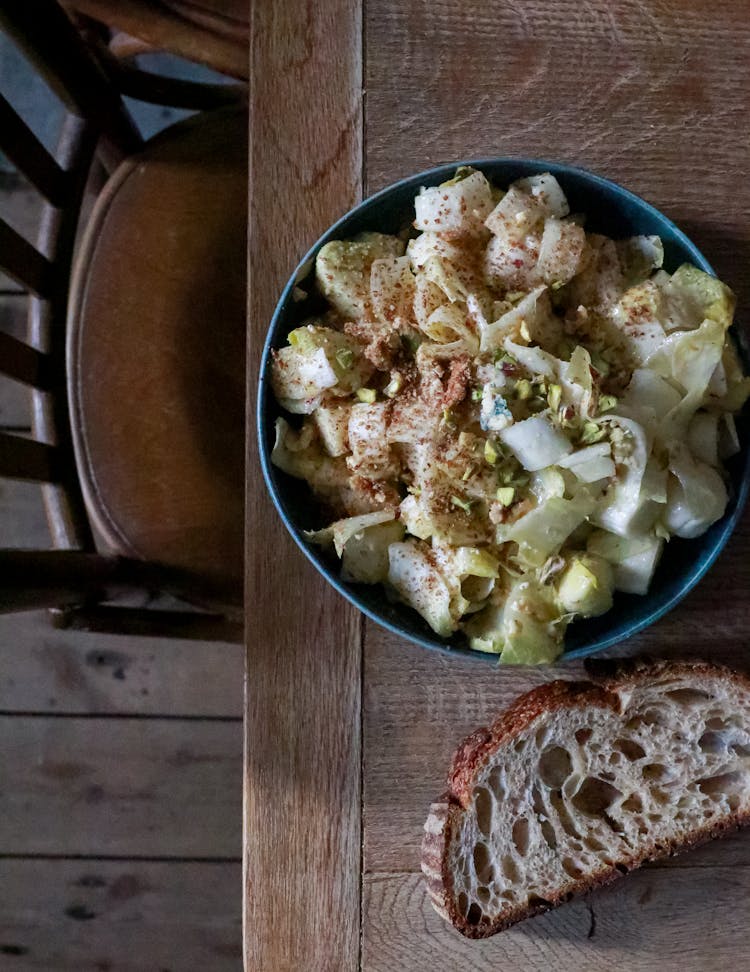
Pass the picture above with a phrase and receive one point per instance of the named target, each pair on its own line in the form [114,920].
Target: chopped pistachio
[557,284]
[514,296]
[505,495]
[462,172]
[367,395]
[490,453]
[449,418]
[300,338]
[607,403]
[394,385]
[344,358]
[462,504]
[523,388]
[554,396]
[476,394]
[468,473]
[591,433]
[661,531]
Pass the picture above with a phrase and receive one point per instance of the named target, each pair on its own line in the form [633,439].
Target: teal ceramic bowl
[609,209]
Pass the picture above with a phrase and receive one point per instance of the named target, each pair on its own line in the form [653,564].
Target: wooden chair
[135,345]
[211,32]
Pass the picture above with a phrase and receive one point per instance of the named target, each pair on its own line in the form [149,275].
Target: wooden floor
[120,772]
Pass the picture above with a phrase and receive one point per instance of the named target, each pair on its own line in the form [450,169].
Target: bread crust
[610,683]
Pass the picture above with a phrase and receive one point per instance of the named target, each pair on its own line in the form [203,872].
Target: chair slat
[176,92]
[112,619]
[28,154]
[24,363]
[24,263]
[22,458]
[57,50]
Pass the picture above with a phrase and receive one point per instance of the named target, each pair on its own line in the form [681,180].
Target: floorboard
[119,916]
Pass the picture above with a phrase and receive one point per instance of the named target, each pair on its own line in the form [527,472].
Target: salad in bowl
[505,416]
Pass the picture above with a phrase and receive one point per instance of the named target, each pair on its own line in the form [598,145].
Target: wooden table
[349,730]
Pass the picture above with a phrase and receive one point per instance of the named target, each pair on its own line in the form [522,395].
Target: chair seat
[156,344]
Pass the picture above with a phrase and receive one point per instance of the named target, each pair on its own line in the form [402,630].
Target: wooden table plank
[120,787]
[302,787]
[691,920]
[637,93]
[123,916]
[633,90]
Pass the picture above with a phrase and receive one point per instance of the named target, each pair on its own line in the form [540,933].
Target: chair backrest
[89,79]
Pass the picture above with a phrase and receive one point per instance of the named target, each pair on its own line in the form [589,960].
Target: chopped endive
[365,555]
[476,562]
[415,578]
[523,389]
[591,432]
[510,415]
[536,443]
[531,625]
[586,586]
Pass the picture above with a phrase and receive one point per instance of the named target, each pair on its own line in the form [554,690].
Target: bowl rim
[428,176]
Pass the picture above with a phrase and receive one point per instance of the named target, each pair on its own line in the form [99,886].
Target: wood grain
[121,916]
[120,787]
[418,708]
[637,92]
[46,670]
[692,920]
[634,91]
[302,786]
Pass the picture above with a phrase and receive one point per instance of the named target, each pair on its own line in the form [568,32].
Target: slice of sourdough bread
[579,782]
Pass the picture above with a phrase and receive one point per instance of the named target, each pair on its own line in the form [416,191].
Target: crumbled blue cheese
[495,414]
